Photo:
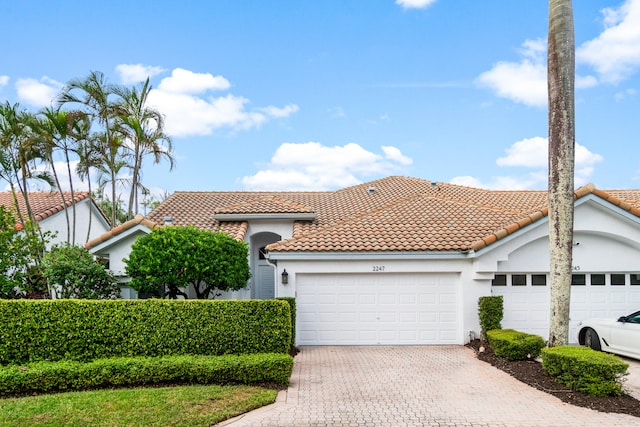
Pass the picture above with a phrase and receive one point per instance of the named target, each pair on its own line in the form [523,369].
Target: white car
[620,336]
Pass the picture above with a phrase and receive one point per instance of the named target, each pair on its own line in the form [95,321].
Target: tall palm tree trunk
[561,77]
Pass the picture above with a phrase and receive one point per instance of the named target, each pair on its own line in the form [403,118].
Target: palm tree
[143,128]
[93,95]
[59,130]
[561,78]
[88,158]
[19,155]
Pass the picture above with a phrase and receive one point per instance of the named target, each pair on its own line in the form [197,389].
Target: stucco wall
[58,222]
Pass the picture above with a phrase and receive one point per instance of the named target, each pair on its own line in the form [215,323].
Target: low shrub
[490,312]
[586,370]
[84,330]
[515,345]
[141,371]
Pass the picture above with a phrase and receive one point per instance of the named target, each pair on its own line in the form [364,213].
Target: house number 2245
[378,268]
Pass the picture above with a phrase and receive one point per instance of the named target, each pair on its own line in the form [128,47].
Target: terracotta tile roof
[265,204]
[138,219]
[390,214]
[43,204]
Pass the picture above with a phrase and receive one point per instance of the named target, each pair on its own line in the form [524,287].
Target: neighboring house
[404,261]
[49,211]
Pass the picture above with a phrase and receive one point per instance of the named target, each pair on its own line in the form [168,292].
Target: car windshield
[634,318]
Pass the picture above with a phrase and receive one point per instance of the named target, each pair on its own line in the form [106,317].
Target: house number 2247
[378,268]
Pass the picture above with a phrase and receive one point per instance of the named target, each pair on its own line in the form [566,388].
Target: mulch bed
[531,372]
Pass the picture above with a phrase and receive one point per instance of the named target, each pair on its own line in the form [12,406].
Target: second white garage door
[377,309]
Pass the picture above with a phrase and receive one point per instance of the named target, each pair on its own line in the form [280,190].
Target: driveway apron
[413,386]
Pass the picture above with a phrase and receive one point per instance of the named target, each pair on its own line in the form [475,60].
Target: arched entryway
[262,272]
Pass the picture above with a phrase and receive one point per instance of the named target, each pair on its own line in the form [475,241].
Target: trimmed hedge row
[126,372]
[586,370]
[84,330]
[292,307]
[515,345]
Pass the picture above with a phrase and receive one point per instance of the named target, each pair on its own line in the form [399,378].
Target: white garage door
[526,308]
[377,309]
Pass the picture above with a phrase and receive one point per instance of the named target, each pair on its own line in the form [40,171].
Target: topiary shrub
[586,370]
[491,312]
[515,345]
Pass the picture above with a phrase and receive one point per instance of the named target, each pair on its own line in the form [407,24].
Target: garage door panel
[372,309]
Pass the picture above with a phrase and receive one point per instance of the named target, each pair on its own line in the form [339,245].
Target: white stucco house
[404,260]
[50,211]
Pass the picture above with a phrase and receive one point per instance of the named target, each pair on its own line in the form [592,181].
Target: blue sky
[319,95]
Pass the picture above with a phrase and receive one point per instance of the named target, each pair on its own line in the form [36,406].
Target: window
[538,280]
[634,279]
[578,279]
[499,280]
[618,279]
[518,280]
[262,253]
[597,279]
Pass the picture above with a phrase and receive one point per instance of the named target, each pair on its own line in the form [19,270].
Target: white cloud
[190,110]
[393,154]
[187,82]
[39,93]
[527,182]
[134,73]
[313,166]
[415,4]
[624,94]
[188,115]
[524,81]
[3,80]
[285,111]
[531,153]
[615,53]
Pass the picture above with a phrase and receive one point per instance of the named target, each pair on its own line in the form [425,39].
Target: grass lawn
[165,406]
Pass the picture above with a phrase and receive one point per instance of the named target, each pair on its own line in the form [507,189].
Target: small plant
[491,312]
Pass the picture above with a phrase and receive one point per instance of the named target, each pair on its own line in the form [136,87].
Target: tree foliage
[169,259]
[73,273]
[20,245]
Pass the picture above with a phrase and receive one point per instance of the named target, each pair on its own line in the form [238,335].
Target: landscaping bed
[531,372]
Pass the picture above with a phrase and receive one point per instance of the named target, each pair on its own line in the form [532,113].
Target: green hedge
[84,330]
[127,372]
[292,307]
[515,345]
[585,370]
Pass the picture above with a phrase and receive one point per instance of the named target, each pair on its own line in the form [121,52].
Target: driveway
[413,386]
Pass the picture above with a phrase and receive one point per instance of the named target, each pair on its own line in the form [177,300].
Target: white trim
[115,239]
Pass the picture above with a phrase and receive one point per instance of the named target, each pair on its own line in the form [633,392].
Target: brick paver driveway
[413,386]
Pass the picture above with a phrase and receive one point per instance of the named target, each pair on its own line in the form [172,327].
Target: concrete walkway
[413,386]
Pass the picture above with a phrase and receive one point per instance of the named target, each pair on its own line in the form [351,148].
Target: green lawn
[166,406]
